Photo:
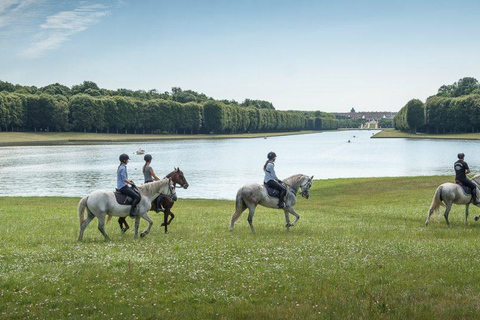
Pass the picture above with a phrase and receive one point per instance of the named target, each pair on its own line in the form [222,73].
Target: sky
[300,55]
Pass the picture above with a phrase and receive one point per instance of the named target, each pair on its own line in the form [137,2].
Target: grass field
[52,138]
[392,133]
[359,251]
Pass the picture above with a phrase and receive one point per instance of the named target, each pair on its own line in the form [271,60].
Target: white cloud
[12,11]
[59,28]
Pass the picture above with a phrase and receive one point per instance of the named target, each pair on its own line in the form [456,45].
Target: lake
[217,168]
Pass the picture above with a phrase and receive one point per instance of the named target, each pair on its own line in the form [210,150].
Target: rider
[123,182]
[271,178]
[150,176]
[461,170]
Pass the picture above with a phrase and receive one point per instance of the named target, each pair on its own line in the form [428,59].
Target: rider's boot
[133,212]
[158,204]
[474,196]
[281,200]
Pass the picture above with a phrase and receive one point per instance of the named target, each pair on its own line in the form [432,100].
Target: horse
[177,178]
[252,195]
[448,194]
[100,203]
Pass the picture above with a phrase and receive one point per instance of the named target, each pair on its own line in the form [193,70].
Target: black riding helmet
[271,155]
[124,157]
[148,157]
[461,155]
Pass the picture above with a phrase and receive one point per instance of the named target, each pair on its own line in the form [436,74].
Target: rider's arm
[153,174]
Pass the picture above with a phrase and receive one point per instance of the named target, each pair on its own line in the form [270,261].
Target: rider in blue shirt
[123,182]
[271,178]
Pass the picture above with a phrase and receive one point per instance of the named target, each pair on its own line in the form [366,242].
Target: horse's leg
[123,224]
[251,212]
[287,219]
[466,213]
[171,217]
[101,226]
[447,211]
[150,223]
[85,223]
[297,216]
[137,225]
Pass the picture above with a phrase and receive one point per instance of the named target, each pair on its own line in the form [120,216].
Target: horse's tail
[240,206]
[437,201]
[82,205]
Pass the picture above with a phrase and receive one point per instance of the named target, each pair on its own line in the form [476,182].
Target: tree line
[88,108]
[454,109]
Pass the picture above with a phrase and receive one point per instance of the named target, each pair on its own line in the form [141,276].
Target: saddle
[122,198]
[466,189]
[272,192]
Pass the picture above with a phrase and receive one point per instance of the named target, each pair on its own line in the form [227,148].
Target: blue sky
[303,55]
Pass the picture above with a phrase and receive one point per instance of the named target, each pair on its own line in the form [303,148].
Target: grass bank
[392,133]
[359,251]
[59,138]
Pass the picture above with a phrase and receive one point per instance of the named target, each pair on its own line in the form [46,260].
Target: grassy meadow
[54,138]
[359,251]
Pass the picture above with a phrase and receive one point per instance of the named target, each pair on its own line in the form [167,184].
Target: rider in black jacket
[461,171]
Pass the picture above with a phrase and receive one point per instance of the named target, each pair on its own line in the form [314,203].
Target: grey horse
[251,195]
[448,194]
[100,203]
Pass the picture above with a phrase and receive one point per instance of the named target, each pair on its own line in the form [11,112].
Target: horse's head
[305,187]
[178,178]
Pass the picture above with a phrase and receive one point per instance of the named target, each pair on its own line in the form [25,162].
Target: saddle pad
[272,192]
[466,189]
[123,198]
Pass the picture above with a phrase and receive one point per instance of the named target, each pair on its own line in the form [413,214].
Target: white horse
[251,195]
[448,194]
[100,203]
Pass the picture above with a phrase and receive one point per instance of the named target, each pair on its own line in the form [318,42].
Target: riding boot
[474,196]
[133,213]
[281,202]
[158,204]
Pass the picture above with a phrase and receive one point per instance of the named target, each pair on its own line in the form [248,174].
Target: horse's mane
[476,178]
[294,179]
[152,187]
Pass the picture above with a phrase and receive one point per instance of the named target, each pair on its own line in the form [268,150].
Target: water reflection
[217,168]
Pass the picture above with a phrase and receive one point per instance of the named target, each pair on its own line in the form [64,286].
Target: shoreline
[12,139]
[395,134]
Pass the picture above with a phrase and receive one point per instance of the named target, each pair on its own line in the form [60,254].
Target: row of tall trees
[88,108]
[411,117]
[455,108]
[453,115]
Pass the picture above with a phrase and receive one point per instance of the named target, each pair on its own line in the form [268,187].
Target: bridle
[171,189]
[304,187]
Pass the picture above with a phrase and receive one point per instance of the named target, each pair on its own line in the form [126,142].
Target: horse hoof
[162,225]
[143,234]
[476,218]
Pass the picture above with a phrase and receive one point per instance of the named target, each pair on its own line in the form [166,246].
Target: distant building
[369,115]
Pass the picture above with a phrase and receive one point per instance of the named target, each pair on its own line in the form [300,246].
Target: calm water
[218,168]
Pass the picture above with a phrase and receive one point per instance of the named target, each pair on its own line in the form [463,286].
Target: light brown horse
[177,177]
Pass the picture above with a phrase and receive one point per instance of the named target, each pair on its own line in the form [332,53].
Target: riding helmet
[148,157]
[271,155]
[461,155]
[123,157]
